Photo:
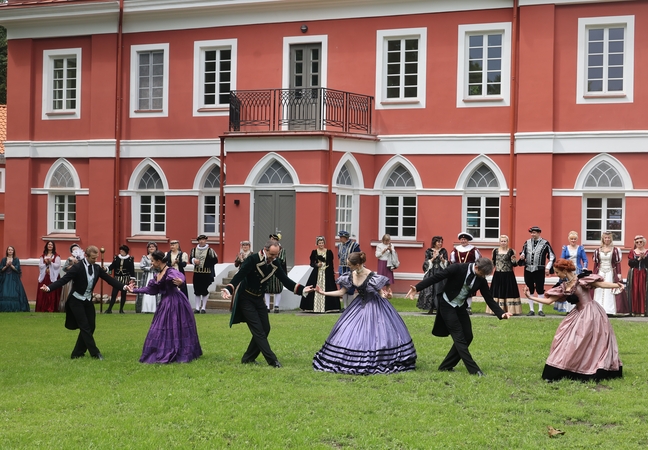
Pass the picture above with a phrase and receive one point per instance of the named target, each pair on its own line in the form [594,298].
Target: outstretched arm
[547,301]
[340,292]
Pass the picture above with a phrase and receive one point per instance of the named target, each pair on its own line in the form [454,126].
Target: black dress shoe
[107,311]
[277,365]
[530,313]
[196,311]
[480,374]
[98,356]
[541,314]
[122,312]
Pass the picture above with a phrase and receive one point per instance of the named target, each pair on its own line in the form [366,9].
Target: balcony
[312,109]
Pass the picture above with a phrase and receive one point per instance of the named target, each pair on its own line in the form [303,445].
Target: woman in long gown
[173,336]
[384,251]
[504,284]
[584,347]
[76,255]
[607,263]
[369,337]
[436,259]
[49,267]
[575,253]
[177,259]
[12,293]
[637,280]
[322,275]
[148,302]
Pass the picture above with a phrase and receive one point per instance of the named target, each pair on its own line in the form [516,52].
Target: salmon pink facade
[134,121]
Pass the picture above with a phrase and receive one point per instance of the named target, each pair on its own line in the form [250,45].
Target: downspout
[118,131]
[221,203]
[514,115]
[330,210]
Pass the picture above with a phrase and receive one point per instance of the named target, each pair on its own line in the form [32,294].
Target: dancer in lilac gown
[172,336]
[584,347]
[369,337]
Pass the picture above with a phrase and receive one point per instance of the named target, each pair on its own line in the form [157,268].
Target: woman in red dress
[49,267]
[637,285]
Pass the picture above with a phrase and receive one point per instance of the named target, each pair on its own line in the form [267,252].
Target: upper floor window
[484,65]
[149,80]
[214,76]
[401,68]
[61,84]
[605,68]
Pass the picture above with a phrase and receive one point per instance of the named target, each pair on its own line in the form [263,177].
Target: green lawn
[50,401]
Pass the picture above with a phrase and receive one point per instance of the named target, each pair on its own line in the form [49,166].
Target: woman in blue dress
[173,336]
[369,337]
[12,292]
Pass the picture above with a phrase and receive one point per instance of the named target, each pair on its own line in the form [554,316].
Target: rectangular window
[149,89]
[64,213]
[61,84]
[152,213]
[605,60]
[401,68]
[482,217]
[400,216]
[604,214]
[344,212]
[151,80]
[210,214]
[484,65]
[214,76]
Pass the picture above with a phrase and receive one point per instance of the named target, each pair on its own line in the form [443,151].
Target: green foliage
[50,401]
[3,66]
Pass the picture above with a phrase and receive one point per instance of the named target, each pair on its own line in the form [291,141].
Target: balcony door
[303,102]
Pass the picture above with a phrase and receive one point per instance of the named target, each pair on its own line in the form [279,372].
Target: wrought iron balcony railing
[312,109]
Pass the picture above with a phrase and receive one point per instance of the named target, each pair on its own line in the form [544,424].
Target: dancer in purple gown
[369,337]
[584,347]
[172,336]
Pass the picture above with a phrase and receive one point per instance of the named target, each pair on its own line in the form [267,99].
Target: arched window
[344,201]
[275,174]
[400,207]
[62,199]
[210,195]
[482,200]
[604,205]
[152,202]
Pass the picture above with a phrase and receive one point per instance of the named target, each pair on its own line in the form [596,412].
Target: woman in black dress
[321,260]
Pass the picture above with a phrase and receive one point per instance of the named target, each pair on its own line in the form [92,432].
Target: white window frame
[605,196]
[201,177]
[625,96]
[387,192]
[485,100]
[134,80]
[2,179]
[152,193]
[48,112]
[200,47]
[382,37]
[54,191]
[52,211]
[483,195]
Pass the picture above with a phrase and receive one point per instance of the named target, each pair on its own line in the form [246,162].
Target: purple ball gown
[173,336]
[369,337]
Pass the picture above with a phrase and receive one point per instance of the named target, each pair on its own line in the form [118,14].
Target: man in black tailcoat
[79,308]
[463,280]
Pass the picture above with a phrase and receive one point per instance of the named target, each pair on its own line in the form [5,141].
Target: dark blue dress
[12,292]
[369,337]
[173,336]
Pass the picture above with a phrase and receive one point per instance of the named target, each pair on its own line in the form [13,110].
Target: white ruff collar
[203,247]
[124,257]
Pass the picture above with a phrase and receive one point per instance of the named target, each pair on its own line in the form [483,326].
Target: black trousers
[113,297]
[535,280]
[256,316]
[85,315]
[458,323]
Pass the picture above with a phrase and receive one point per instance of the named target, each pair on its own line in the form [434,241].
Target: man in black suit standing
[79,309]
[248,288]
[463,280]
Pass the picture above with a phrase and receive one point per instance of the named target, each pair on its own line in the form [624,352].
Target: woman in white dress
[607,263]
[149,302]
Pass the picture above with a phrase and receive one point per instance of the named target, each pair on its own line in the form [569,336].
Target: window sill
[595,96]
[482,99]
[60,113]
[146,238]
[214,109]
[400,102]
[148,111]
[61,237]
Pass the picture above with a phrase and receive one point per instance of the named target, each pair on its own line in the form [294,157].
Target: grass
[50,401]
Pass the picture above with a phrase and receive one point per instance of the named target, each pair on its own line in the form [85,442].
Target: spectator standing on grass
[12,292]
[386,253]
[123,267]
[243,253]
[537,257]
[275,286]
[148,302]
[345,248]
[323,276]
[504,284]
[49,266]
[606,262]
[576,254]
[203,257]
[177,259]
[464,253]
[436,259]
[76,255]
[637,279]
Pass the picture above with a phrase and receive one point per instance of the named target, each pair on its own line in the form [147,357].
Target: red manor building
[130,120]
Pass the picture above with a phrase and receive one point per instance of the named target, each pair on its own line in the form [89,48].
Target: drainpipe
[118,131]
[514,115]
[221,203]
[329,220]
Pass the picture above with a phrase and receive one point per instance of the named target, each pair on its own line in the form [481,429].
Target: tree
[3,66]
